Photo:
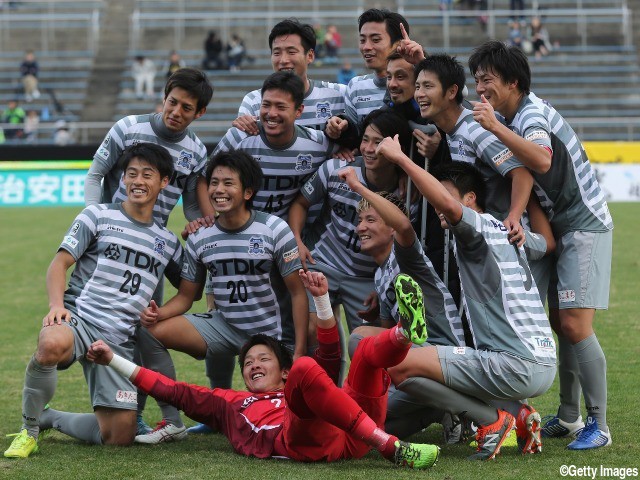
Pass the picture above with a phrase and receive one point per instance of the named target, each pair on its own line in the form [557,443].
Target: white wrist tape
[123,366]
[323,307]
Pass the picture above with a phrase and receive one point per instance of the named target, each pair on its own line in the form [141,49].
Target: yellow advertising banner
[613,152]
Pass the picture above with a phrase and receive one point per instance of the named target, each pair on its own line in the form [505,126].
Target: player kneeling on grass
[296,411]
[120,253]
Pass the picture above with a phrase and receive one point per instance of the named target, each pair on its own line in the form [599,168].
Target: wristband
[122,366]
[323,307]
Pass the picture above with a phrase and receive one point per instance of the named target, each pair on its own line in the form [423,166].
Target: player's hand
[410,50]
[390,149]
[515,232]
[100,353]
[348,174]
[346,154]
[335,127]
[315,282]
[194,225]
[305,255]
[56,315]
[149,315]
[484,114]
[372,313]
[427,144]
[247,124]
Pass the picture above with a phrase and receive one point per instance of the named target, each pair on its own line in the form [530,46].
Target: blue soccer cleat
[591,437]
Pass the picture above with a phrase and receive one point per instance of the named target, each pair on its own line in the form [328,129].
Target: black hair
[448,70]
[287,82]
[280,351]
[245,165]
[292,26]
[392,21]
[155,155]
[389,124]
[193,81]
[508,62]
[465,177]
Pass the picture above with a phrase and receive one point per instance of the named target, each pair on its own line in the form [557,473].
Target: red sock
[372,435]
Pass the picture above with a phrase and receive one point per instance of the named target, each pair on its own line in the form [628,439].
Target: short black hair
[508,62]
[465,177]
[276,346]
[388,123]
[155,155]
[448,70]
[287,82]
[292,26]
[245,165]
[392,21]
[195,82]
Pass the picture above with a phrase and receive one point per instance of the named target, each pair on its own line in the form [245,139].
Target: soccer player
[296,411]
[120,253]
[253,259]
[582,226]
[293,46]
[514,354]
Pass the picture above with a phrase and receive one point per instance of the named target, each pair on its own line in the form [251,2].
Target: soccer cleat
[491,437]
[415,455]
[411,308]
[555,427]
[528,430]
[511,440]
[141,426]
[591,437]
[22,446]
[164,432]
[200,428]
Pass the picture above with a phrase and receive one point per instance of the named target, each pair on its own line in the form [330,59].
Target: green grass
[30,239]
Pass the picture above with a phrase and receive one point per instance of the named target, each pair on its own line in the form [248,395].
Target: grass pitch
[30,239]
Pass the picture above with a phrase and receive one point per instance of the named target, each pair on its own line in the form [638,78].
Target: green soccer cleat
[22,446]
[411,308]
[415,455]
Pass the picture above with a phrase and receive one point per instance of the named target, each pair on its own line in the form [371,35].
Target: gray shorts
[493,375]
[220,337]
[107,388]
[582,271]
[346,290]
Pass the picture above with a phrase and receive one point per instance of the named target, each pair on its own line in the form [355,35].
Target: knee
[117,427]
[52,347]
[118,438]
[301,367]
[574,330]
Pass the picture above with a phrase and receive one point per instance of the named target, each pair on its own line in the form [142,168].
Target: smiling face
[495,90]
[376,237]
[226,192]
[431,98]
[287,54]
[401,81]
[278,114]
[370,141]
[375,46]
[179,110]
[261,370]
[142,182]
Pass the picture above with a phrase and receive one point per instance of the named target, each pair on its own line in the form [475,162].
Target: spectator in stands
[175,63]
[143,71]
[31,125]
[62,136]
[515,35]
[320,33]
[14,115]
[212,52]
[332,43]
[235,52]
[539,37]
[346,73]
[29,71]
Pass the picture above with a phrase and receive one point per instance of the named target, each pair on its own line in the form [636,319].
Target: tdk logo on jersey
[239,266]
[256,246]
[159,245]
[185,159]
[323,110]
[132,257]
[304,162]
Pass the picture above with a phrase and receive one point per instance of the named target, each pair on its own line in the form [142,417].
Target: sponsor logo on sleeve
[185,268]
[502,157]
[566,296]
[291,255]
[308,188]
[537,135]
[126,396]
[103,152]
[107,139]
[459,350]
[74,228]
[71,241]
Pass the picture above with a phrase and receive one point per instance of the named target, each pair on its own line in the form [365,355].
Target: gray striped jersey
[322,101]
[469,142]
[119,262]
[569,191]
[444,325]
[501,296]
[247,267]
[365,93]
[188,152]
[285,169]
[339,245]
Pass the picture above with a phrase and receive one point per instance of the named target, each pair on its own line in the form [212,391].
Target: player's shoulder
[308,133]
[253,96]
[324,85]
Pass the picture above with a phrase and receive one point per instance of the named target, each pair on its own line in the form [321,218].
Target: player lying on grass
[296,411]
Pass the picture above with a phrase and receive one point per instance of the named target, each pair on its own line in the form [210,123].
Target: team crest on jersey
[112,252]
[159,245]
[304,162]
[185,159]
[323,110]
[74,228]
[256,246]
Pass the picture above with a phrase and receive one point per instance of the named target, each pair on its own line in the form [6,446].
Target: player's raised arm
[297,218]
[410,50]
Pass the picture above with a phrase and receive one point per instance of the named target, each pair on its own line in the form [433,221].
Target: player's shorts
[107,388]
[582,272]
[491,375]
[541,272]
[220,337]
[345,289]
